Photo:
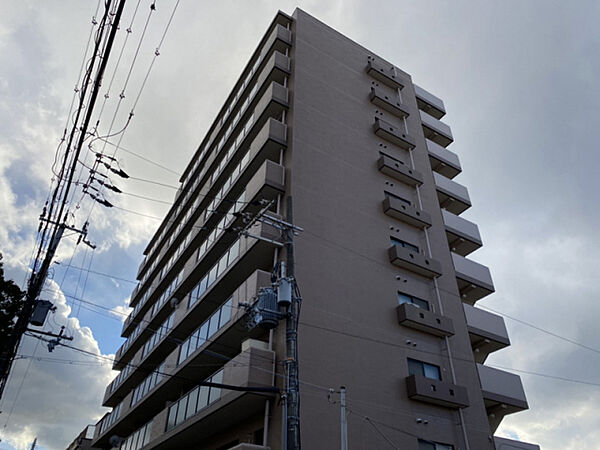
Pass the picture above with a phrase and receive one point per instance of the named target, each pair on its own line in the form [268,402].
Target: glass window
[172,416]
[215,393]
[415,367]
[427,445]
[225,313]
[202,286]
[424,445]
[404,244]
[203,334]
[421,368]
[147,433]
[203,397]
[234,251]
[214,324]
[431,371]
[183,352]
[134,439]
[192,402]
[181,410]
[212,276]
[194,342]
[222,265]
[404,298]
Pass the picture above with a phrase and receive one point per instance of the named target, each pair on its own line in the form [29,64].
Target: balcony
[502,394]
[442,160]
[393,134]
[395,208]
[398,170]
[384,75]
[474,280]
[487,332]
[437,392]
[266,184]
[420,319]
[226,342]
[435,130]
[388,103]
[429,103]
[463,236]
[452,196]
[509,444]
[265,145]
[415,262]
[252,367]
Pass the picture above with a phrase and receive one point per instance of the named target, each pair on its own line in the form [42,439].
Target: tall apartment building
[389,290]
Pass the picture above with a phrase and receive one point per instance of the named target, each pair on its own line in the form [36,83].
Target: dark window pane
[431,371]
[415,367]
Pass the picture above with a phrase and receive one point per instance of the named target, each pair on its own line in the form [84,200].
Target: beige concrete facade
[388,289]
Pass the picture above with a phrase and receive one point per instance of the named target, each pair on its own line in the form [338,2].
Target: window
[194,401]
[405,298]
[423,369]
[395,197]
[404,244]
[428,445]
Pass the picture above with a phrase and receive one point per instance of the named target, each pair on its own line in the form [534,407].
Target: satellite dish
[174,302]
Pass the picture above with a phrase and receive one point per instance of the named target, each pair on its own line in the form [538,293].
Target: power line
[148,160]
[394,344]
[170,186]
[102,274]
[454,294]
[571,341]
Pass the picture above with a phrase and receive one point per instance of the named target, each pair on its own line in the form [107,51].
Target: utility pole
[265,314]
[56,221]
[291,339]
[343,418]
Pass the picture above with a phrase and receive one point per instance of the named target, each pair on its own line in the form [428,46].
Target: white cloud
[62,390]
[122,311]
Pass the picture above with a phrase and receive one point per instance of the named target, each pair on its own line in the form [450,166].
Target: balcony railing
[391,104]
[386,75]
[393,134]
[487,332]
[429,103]
[397,169]
[261,178]
[474,280]
[452,196]
[435,130]
[442,160]
[199,414]
[200,363]
[437,392]
[463,236]
[502,394]
[420,319]
[414,261]
[395,208]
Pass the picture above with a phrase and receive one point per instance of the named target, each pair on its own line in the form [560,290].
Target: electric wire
[143,158]
[453,294]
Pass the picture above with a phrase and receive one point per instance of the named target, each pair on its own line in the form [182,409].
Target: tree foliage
[12,299]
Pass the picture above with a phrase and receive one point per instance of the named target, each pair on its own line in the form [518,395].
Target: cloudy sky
[520,83]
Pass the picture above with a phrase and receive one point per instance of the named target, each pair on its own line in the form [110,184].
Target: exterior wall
[351,287]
